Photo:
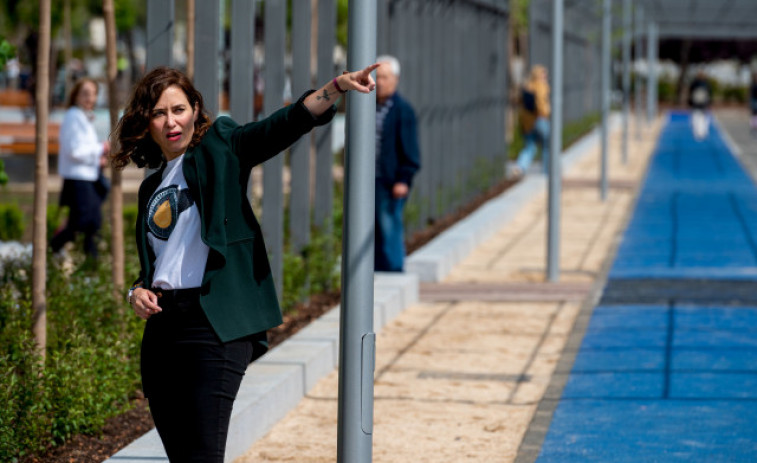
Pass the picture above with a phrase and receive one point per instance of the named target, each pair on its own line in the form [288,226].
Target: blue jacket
[400,157]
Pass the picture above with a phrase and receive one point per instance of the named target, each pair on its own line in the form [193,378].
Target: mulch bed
[123,429]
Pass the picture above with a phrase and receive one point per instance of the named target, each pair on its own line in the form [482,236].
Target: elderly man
[397,161]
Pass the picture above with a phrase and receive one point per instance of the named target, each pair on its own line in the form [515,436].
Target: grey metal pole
[651,70]
[299,159]
[207,26]
[626,74]
[357,341]
[639,34]
[160,23]
[605,96]
[273,192]
[555,145]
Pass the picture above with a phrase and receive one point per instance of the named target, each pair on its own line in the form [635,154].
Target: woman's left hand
[319,102]
[358,80]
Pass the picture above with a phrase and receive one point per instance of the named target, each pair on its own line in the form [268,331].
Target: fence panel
[453,56]
[581,69]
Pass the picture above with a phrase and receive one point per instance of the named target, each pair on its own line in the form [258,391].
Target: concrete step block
[315,358]
[267,393]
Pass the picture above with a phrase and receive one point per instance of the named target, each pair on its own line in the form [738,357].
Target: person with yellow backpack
[534,122]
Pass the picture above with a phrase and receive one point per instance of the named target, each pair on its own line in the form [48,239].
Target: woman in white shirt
[80,160]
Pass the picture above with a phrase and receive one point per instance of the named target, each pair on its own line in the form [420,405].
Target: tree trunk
[116,190]
[68,48]
[39,241]
[191,39]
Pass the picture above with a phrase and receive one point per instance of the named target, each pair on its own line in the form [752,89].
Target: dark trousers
[389,246]
[84,199]
[191,380]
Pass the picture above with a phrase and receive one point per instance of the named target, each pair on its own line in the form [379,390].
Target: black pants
[84,201]
[191,380]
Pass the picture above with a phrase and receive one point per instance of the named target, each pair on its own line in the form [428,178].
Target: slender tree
[191,39]
[39,242]
[68,53]
[116,190]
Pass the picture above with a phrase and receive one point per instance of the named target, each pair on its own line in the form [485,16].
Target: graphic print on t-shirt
[164,208]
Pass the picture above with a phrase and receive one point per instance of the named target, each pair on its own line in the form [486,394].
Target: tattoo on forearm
[325,96]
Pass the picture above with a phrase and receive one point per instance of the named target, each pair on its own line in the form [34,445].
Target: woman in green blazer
[205,285]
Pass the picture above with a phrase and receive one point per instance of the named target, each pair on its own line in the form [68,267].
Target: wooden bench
[20,98]
[19,138]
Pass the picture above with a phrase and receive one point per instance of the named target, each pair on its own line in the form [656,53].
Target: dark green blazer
[237,292]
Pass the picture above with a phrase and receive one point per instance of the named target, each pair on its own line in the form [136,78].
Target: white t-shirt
[79,151]
[173,231]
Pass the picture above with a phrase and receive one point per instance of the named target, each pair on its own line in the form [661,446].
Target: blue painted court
[667,370]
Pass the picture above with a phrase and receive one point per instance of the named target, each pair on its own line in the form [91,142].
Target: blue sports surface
[672,380]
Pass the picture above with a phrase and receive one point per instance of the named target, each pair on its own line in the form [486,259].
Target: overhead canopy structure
[707,30]
[703,19]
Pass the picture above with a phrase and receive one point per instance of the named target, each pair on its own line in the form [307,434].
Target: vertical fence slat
[273,194]
[324,183]
[299,160]
[160,29]
[241,97]
[207,21]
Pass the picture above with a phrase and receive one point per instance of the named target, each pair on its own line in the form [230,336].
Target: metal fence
[454,61]
[581,56]
[453,55]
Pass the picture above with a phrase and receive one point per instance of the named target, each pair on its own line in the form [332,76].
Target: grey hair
[394,64]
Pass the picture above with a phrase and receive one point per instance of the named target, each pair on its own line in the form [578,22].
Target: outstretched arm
[321,100]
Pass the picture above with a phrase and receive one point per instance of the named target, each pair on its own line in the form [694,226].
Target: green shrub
[321,263]
[54,212]
[295,281]
[130,221]
[666,89]
[91,368]
[11,222]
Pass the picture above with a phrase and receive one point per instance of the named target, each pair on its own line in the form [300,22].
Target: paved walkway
[667,368]
[460,375]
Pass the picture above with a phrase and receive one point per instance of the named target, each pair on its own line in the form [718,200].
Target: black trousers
[191,380]
[84,202]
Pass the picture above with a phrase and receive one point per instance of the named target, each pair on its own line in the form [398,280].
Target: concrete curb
[276,382]
[434,261]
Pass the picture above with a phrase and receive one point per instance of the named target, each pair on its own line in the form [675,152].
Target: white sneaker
[513,171]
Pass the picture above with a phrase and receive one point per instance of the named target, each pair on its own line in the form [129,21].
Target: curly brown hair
[132,134]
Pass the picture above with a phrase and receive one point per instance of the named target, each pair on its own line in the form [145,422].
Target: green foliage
[735,94]
[321,262]
[574,130]
[130,220]
[411,216]
[7,51]
[91,368]
[519,11]
[128,13]
[666,89]
[3,176]
[342,13]
[54,213]
[295,281]
[11,222]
